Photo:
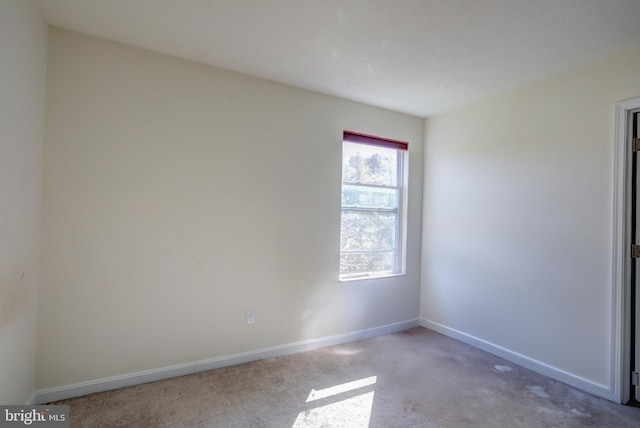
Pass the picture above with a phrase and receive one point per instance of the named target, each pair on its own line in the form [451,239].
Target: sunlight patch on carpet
[353,412]
[318,394]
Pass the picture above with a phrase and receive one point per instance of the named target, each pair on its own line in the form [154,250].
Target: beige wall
[177,196]
[23,54]
[518,221]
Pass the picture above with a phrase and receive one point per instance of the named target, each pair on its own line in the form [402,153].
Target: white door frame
[621,252]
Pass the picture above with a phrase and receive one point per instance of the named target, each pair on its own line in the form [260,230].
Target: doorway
[625,366]
[634,295]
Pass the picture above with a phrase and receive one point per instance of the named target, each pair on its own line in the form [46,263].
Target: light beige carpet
[416,378]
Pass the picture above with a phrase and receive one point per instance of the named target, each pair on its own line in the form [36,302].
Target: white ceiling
[420,57]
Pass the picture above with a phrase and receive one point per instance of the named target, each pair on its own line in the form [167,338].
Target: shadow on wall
[14,296]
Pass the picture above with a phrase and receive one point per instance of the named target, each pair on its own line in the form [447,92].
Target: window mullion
[385,250]
[367,209]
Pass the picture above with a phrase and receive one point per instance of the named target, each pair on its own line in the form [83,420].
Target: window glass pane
[364,230]
[371,226]
[369,197]
[364,263]
[369,164]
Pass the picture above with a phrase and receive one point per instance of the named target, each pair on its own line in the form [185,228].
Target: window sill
[371,277]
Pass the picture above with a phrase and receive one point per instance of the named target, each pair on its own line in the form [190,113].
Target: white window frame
[399,264]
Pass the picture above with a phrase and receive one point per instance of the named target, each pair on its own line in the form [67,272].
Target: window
[372,219]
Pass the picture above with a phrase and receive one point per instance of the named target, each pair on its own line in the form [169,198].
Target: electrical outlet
[251,316]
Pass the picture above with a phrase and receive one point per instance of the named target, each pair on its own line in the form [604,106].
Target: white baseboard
[130,379]
[586,385]
[32,400]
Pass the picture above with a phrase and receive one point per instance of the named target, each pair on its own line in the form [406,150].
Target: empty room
[295,213]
